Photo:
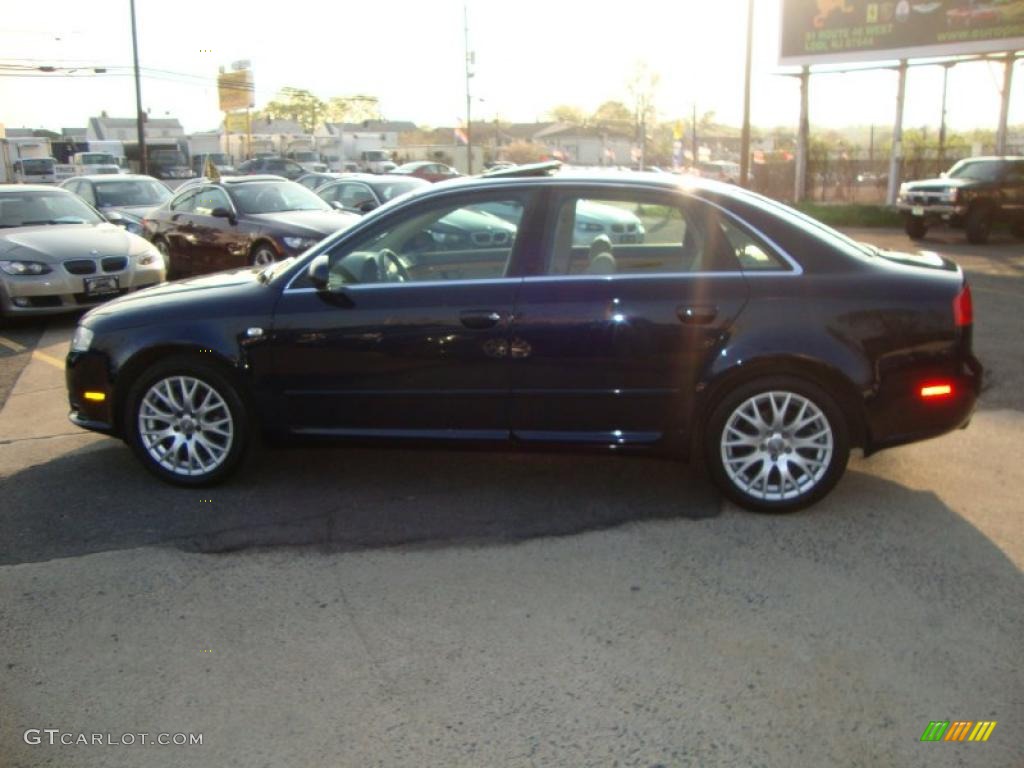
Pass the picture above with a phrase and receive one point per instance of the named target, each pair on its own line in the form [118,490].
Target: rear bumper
[898,415]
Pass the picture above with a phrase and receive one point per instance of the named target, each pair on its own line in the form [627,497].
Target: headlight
[148,257]
[300,243]
[24,267]
[82,339]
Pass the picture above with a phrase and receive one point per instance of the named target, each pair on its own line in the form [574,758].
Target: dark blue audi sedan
[738,332]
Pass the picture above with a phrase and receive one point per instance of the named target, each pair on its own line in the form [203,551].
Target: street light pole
[139,116]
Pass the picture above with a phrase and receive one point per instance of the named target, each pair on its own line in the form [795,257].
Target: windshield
[131,192]
[392,189]
[39,165]
[978,170]
[304,157]
[168,157]
[98,158]
[275,196]
[25,209]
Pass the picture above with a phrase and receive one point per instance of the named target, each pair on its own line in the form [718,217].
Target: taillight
[963,309]
[936,390]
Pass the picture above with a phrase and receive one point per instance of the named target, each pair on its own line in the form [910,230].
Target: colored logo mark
[958,730]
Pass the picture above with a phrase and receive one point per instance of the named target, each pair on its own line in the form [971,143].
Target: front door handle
[480,319]
[697,314]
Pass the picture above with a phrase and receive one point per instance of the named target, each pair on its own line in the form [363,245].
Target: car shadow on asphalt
[338,498]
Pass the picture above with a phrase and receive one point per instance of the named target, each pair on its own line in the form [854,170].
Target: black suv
[278,166]
[974,194]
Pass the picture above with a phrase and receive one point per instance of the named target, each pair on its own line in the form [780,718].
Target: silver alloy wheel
[263,257]
[185,426]
[776,446]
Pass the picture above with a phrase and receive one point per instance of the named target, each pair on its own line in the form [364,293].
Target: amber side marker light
[932,391]
[96,397]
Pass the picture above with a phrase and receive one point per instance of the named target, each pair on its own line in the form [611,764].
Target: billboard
[824,31]
[236,90]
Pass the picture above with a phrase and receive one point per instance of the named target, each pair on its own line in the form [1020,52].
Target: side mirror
[223,213]
[336,205]
[366,206]
[114,218]
[319,271]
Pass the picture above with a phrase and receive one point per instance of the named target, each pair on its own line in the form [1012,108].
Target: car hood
[307,222]
[57,242]
[134,211]
[943,183]
[197,297]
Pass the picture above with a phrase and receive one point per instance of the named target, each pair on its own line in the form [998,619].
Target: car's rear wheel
[263,255]
[978,225]
[186,422]
[915,227]
[777,444]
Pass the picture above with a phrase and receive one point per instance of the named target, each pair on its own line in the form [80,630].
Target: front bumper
[59,291]
[945,211]
[90,372]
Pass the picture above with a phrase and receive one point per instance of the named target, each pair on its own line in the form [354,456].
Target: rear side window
[184,203]
[751,253]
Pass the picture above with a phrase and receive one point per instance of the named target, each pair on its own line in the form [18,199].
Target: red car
[424,169]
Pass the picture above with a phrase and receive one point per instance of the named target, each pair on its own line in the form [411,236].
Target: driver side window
[469,241]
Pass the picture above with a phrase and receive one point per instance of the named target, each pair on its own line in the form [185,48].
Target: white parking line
[11,345]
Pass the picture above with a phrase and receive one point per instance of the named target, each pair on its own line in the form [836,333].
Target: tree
[566,113]
[525,152]
[296,104]
[613,114]
[352,109]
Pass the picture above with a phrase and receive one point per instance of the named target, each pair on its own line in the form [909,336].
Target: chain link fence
[844,176]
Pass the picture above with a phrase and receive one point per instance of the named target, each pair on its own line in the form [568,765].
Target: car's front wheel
[186,422]
[915,227]
[776,444]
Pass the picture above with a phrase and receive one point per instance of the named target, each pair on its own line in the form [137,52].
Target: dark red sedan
[424,169]
[236,221]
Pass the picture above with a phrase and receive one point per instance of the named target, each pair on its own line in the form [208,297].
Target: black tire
[209,375]
[832,463]
[978,225]
[262,254]
[915,227]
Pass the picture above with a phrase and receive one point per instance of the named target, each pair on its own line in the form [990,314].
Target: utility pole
[745,133]
[1004,104]
[140,117]
[942,119]
[694,136]
[469,101]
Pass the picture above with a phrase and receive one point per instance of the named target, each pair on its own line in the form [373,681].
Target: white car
[58,254]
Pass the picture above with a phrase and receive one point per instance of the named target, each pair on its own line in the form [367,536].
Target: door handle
[697,314]
[480,319]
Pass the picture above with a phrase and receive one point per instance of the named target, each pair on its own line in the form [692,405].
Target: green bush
[852,214]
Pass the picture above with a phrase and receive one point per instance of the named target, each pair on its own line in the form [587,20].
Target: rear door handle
[697,314]
[480,319]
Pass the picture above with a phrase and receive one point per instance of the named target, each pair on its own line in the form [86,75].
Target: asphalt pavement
[389,607]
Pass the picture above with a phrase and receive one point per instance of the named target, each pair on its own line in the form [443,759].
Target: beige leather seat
[601,260]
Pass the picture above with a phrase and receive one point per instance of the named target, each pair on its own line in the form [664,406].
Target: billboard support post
[942,119]
[745,134]
[896,153]
[1004,105]
[802,137]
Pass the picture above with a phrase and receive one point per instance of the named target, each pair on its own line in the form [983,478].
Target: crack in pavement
[45,437]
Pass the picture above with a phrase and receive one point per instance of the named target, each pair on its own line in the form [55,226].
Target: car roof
[992,158]
[33,188]
[111,177]
[246,179]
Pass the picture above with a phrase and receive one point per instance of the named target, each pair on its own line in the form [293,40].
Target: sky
[531,55]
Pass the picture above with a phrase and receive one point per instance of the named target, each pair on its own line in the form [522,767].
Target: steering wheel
[388,255]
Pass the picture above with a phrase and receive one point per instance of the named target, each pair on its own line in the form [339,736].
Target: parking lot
[397,607]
